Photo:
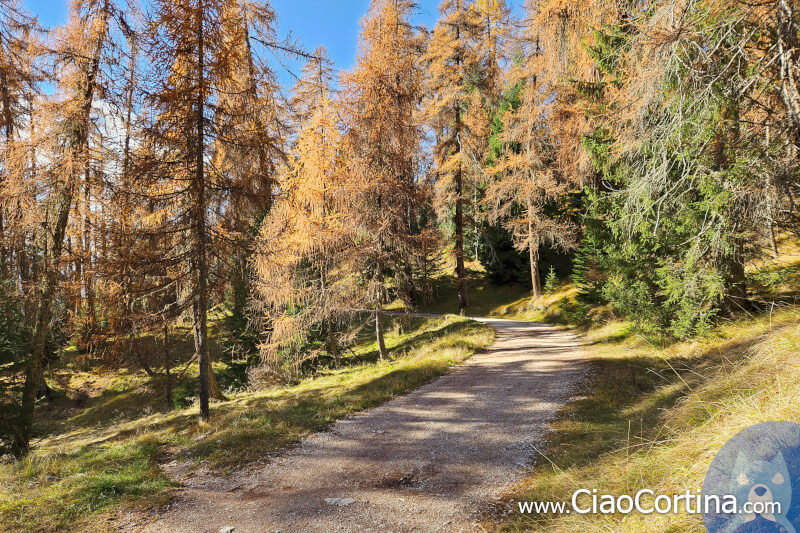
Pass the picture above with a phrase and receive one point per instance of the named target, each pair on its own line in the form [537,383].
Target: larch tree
[120,269]
[250,148]
[382,141]
[141,283]
[526,183]
[211,101]
[558,39]
[494,41]
[11,98]
[19,77]
[82,52]
[306,293]
[454,62]
[20,74]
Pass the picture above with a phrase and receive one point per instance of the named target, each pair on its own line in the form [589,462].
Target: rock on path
[428,461]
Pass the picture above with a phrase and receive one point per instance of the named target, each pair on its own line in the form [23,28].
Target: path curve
[427,461]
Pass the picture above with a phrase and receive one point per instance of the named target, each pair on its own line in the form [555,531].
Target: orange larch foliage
[300,265]
[456,113]
[382,141]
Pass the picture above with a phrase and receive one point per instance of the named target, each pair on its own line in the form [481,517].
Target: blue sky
[331,23]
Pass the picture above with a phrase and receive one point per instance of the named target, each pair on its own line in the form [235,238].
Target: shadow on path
[428,461]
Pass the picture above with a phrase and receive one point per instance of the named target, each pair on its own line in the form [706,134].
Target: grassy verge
[654,416]
[95,465]
[656,411]
[484,298]
[512,301]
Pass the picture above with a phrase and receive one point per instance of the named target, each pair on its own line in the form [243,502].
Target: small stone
[341,502]
[227,529]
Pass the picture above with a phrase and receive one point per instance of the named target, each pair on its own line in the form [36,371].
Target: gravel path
[428,461]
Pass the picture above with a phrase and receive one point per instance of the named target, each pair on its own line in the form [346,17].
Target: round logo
[753,483]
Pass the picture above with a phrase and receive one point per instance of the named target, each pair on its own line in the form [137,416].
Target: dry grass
[655,415]
[656,411]
[106,460]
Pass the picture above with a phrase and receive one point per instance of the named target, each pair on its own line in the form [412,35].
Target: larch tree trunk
[333,349]
[167,367]
[458,219]
[536,284]
[379,308]
[458,222]
[86,302]
[200,299]
[34,372]
[379,332]
[533,254]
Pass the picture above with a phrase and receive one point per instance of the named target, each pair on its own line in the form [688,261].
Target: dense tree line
[152,171]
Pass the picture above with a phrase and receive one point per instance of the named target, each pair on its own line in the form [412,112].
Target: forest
[173,219]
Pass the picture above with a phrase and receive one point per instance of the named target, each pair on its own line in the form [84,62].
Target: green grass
[104,458]
[483,297]
[655,410]
[513,302]
[653,416]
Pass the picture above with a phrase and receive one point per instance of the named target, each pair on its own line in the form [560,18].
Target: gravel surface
[429,461]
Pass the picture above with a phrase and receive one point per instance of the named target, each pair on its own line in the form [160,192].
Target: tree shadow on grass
[410,343]
[626,396]
[251,427]
[269,424]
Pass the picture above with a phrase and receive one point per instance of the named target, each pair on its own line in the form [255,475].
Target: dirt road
[429,461]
